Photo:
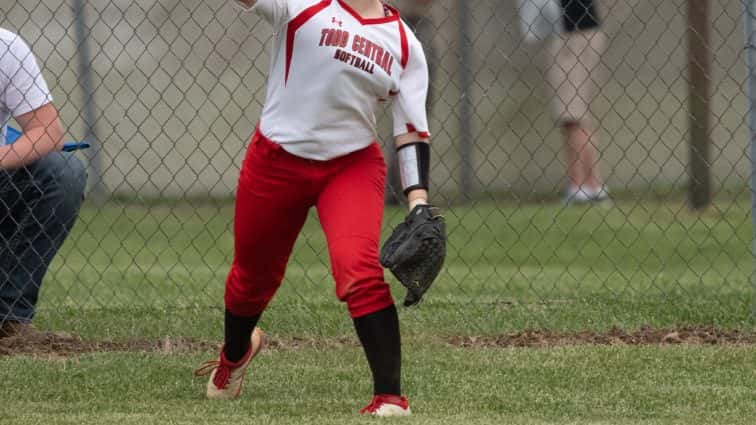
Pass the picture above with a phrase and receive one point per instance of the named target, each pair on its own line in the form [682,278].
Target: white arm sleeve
[409,104]
[273,11]
[24,89]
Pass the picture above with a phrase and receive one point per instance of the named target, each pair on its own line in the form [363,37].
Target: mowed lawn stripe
[582,384]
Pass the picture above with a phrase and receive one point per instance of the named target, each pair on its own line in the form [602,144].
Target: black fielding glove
[416,250]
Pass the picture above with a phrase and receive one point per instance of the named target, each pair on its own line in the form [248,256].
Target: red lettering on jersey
[368,54]
[378,55]
[356,43]
[384,61]
[373,53]
[363,45]
[323,36]
[331,37]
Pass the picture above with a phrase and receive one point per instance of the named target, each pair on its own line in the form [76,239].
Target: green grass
[131,270]
[674,385]
[149,271]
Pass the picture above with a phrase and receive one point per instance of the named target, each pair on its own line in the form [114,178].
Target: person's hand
[417,197]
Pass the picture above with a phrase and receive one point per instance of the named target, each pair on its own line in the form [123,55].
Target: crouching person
[41,188]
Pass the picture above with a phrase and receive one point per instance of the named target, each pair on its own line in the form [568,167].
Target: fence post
[699,98]
[749,14]
[97,189]
[465,117]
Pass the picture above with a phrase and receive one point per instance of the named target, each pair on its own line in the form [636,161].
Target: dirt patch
[64,344]
[59,344]
[644,336]
[312,343]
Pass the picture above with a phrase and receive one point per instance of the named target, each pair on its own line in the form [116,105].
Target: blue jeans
[38,207]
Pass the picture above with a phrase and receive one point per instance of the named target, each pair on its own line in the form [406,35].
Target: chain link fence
[168,93]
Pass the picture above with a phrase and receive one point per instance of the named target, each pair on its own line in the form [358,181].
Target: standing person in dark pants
[41,188]
[575,46]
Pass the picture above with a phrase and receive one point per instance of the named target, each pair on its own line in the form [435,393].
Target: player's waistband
[271,148]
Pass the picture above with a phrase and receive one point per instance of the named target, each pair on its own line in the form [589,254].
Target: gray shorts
[574,72]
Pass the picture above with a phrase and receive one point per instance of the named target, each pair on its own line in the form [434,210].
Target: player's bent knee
[247,296]
[364,296]
[354,258]
[368,300]
[359,276]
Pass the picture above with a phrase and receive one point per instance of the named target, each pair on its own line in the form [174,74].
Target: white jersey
[330,68]
[22,87]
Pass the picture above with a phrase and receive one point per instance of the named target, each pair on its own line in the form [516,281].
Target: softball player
[333,63]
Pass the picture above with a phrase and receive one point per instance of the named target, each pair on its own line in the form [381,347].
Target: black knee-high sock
[379,335]
[238,331]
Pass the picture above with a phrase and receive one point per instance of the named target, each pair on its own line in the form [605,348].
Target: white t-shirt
[540,19]
[22,86]
[330,68]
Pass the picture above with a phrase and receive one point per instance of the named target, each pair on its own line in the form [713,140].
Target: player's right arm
[273,11]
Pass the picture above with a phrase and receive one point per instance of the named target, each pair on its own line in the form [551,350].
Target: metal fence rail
[169,93]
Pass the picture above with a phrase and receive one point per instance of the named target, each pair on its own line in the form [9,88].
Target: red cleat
[385,405]
[226,378]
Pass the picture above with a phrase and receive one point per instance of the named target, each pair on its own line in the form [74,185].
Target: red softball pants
[276,190]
